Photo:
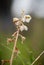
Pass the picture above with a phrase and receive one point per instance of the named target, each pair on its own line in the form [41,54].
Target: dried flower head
[20,24]
[20,27]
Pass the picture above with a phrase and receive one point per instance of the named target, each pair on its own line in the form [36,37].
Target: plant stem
[15,42]
[37,58]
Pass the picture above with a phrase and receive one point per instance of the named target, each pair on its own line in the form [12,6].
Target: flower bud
[9,40]
[26,18]
[23,38]
[23,27]
[15,19]
[17,51]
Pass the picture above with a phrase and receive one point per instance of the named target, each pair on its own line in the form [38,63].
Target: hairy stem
[12,56]
[37,58]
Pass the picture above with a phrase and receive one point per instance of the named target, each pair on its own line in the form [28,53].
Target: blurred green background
[32,47]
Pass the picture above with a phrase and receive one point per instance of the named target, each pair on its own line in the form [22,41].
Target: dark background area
[5,6]
[5,16]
